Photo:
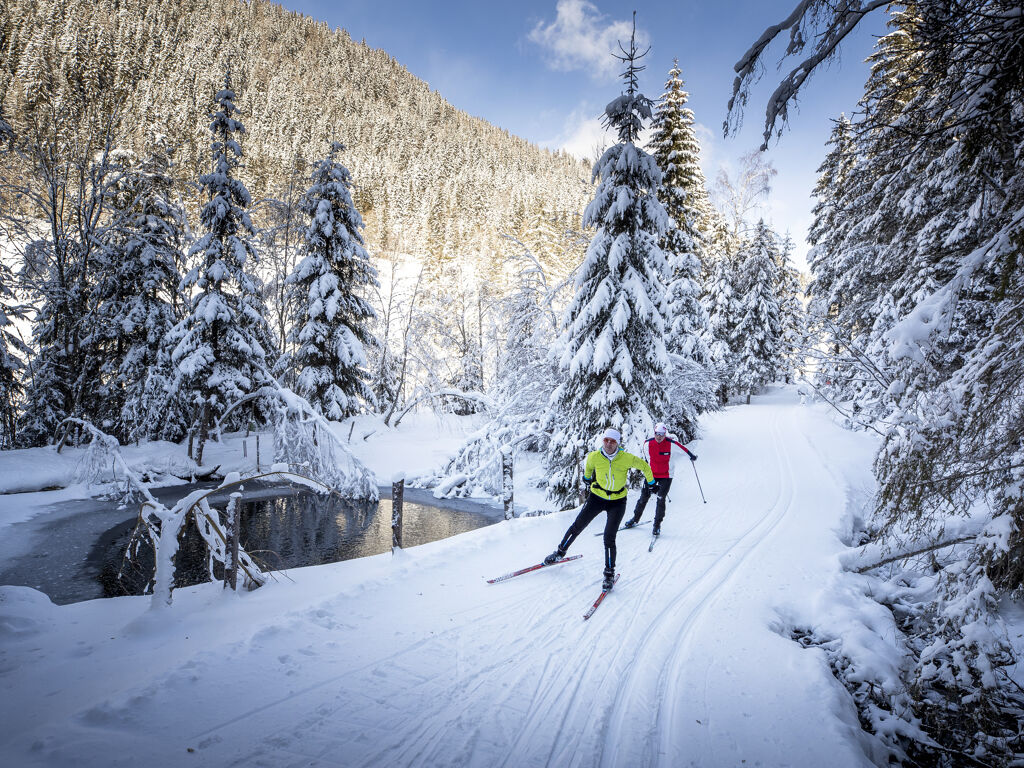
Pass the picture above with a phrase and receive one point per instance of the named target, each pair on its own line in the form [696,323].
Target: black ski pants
[594,506]
[661,486]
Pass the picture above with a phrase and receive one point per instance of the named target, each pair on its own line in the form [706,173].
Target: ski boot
[609,579]
[554,557]
[630,523]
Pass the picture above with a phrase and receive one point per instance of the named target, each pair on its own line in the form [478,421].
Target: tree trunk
[507,484]
[203,431]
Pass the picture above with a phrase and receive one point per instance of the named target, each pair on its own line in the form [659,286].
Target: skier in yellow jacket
[605,475]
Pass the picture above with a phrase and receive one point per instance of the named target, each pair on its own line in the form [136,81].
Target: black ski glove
[693,457]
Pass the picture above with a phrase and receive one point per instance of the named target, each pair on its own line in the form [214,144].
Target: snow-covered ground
[414,660]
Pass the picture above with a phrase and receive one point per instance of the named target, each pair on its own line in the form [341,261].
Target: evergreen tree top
[627,112]
[674,92]
[222,124]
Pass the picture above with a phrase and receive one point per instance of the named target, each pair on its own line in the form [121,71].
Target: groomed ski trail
[417,661]
[637,685]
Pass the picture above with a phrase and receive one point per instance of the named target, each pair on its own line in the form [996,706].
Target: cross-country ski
[626,528]
[600,599]
[532,568]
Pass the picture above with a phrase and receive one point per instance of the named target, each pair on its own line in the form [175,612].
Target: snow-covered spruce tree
[675,147]
[137,299]
[221,347]
[831,222]
[791,314]
[722,304]
[332,318]
[614,358]
[756,336]
[835,364]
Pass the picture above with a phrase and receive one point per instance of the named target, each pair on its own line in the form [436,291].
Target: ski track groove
[664,566]
[563,701]
[527,598]
[536,627]
[762,530]
[666,694]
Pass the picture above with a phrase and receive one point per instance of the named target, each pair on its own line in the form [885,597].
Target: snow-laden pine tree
[721,301]
[831,222]
[222,348]
[756,336]
[829,297]
[690,383]
[676,149]
[613,350]
[331,325]
[791,314]
[137,299]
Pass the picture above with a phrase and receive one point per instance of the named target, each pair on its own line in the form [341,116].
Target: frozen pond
[71,551]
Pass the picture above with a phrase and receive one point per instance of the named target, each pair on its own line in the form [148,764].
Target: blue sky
[542,69]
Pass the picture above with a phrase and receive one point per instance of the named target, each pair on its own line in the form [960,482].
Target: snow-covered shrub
[690,391]
[945,698]
[476,469]
[306,441]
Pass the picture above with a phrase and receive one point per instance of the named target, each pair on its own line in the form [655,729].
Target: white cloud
[582,38]
[582,136]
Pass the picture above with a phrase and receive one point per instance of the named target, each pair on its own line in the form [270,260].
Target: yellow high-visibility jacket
[607,477]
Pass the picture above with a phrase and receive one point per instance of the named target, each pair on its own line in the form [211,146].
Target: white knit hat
[660,428]
[613,434]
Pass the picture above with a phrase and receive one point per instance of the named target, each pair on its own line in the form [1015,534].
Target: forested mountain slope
[432,180]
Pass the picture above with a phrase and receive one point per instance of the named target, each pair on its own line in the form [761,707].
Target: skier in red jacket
[658,452]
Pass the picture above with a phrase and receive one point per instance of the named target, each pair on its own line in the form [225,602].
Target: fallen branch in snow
[905,555]
[843,413]
[470,397]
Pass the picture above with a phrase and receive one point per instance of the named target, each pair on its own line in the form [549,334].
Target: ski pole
[692,464]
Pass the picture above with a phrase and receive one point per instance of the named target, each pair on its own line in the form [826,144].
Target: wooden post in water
[507,485]
[397,497]
[234,515]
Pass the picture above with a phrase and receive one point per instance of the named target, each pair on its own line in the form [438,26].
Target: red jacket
[659,455]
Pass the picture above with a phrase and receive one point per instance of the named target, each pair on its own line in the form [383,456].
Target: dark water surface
[72,551]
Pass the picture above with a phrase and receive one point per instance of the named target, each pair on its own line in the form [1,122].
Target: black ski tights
[661,486]
[594,506]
